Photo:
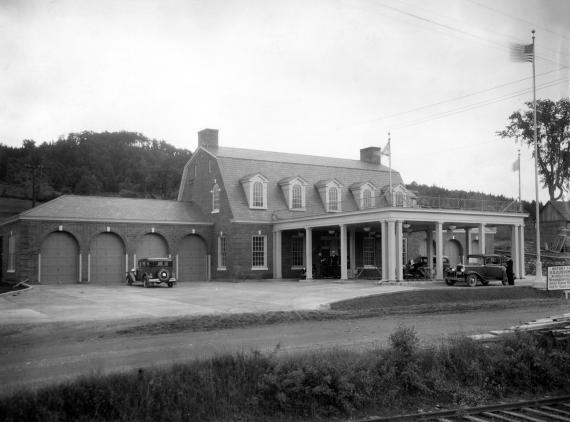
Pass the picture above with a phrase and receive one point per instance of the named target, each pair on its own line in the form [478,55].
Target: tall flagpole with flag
[526,53]
[387,151]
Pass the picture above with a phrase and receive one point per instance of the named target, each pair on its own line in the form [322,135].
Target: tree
[553,135]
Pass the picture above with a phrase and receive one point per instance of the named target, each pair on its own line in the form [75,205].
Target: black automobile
[152,272]
[479,268]
[418,268]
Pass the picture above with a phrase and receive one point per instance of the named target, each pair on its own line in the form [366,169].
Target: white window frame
[256,241]
[297,252]
[215,198]
[367,202]
[222,253]
[333,206]
[301,190]
[11,253]
[367,253]
[258,197]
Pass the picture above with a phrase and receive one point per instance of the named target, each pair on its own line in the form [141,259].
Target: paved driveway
[77,302]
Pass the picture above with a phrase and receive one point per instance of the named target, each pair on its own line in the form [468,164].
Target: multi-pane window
[399,199]
[11,253]
[258,195]
[333,199]
[369,251]
[366,199]
[296,197]
[297,249]
[222,252]
[258,255]
[216,198]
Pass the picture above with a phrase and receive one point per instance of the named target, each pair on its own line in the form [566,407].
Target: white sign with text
[558,278]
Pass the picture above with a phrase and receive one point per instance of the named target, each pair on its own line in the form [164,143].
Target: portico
[389,225]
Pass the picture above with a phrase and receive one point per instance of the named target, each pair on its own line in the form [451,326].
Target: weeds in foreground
[337,383]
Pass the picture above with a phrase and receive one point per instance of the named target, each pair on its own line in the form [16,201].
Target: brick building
[254,214]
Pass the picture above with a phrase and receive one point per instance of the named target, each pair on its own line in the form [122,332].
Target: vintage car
[418,268]
[483,268]
[151,272]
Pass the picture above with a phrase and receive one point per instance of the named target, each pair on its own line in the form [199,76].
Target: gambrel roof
[235,163]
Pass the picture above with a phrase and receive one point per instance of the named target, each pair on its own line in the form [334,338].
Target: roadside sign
[558,278]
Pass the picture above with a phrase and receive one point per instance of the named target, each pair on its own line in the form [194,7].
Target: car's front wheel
[471,280]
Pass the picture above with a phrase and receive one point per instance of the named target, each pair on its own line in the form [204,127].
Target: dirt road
[33,356]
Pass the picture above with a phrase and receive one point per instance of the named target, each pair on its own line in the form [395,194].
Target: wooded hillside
[87,163]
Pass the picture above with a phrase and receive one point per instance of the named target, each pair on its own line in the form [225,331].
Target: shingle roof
[236,162]
[99,208]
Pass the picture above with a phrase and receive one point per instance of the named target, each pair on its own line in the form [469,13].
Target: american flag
[522,52]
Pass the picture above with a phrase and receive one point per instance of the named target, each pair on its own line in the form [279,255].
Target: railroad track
[542,410]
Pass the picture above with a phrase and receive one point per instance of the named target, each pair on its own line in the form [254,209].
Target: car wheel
[471,280]
[145,281]
[449,282]
[170,284]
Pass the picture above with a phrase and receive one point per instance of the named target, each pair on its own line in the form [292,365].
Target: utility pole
[35,168]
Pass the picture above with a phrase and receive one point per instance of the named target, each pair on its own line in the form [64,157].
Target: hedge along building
[254,214]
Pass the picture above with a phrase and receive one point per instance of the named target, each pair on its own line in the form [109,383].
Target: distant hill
[88,163]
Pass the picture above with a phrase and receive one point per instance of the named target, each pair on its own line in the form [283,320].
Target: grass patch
[402,378]
[401,303]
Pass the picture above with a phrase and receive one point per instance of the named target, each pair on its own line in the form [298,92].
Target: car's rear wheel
[471,280]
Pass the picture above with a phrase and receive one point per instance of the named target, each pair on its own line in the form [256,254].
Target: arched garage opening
[192,259]
[107,259]
[59,259]
[453,250]
[152,245]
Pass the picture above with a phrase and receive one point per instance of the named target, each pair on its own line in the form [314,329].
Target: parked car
[418,268]
[479,268]
[151,272]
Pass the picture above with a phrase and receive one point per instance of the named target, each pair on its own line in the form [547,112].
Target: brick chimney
[208,138]
[370,155]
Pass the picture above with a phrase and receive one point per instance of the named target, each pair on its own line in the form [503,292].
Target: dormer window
[255,189]
[401,197]
[297,197]
[332,198]
[293,189]
[364,195]
[330,193]
[215,198]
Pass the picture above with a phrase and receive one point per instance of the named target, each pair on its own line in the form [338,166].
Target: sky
[316,77]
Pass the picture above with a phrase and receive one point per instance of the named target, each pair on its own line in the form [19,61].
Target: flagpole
[390,167]
[520,201]
[538,277]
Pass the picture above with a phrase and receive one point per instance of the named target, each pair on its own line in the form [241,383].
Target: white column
[309,253]
[277,263]
[81,268]
[391,250]
[343,253]
[352,247]
[521,251]
[429,247]
[39,268]
[399,251]
[515,245]
[439,251]
[384,231]
[482,238]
